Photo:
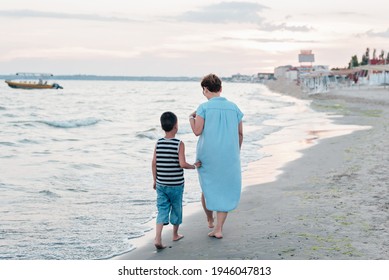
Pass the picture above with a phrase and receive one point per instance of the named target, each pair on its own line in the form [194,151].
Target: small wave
[2,108]
[49,193]
[81,166]
[151,217]
[7,143]
[76,190]
[22,124]
[165,101]
[72,123]
[136,234]
[8,156]
[65,140]
[9,115]
[83,218]
[149,134]
[141,201]
[28,141]
[132,248]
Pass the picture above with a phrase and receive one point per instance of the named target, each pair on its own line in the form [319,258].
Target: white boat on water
[33,81]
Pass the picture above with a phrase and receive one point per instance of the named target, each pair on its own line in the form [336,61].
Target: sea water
[75,164]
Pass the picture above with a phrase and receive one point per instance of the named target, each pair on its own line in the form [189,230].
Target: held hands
[197,164]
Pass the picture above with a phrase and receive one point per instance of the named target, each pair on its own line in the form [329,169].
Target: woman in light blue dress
[218,122]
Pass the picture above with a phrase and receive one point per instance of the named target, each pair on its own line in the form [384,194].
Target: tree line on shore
[366,59]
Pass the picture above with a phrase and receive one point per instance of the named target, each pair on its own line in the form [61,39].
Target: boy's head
[168,121]
[212,83]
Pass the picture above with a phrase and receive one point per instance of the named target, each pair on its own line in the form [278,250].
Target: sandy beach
[330,204]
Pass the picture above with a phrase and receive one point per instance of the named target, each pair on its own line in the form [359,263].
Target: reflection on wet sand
[285,145]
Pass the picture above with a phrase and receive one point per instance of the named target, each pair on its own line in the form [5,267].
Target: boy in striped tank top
[167,167]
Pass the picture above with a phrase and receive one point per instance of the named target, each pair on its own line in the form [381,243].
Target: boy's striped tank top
[169,172]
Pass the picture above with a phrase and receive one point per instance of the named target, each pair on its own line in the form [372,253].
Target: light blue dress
[218,150]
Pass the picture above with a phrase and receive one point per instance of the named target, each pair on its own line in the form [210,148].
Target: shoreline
[330,203]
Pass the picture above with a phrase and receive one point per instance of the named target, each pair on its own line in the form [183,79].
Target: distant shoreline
[115,78]
[87,77]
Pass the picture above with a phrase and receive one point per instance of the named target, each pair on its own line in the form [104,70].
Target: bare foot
[178,237]
[159,246]
[217,235]
[210,223]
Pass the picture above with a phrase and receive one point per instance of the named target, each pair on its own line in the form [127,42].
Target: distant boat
[33,81]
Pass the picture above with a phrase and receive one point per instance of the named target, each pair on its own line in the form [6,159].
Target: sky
[185,38]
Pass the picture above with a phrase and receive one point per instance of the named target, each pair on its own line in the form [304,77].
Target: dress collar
[218,98]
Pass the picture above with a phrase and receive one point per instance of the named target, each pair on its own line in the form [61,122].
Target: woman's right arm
[196,123]
[240,132]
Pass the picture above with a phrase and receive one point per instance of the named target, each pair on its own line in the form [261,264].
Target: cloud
[226,12]
[283,26]
[352,14]
[238,12]
[66,53]
[271,40]
[384,34]
[58,15]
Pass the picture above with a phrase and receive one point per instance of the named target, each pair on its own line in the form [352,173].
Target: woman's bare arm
[196,123]
[240,131]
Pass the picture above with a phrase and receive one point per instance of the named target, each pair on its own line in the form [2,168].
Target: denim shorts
[169,204]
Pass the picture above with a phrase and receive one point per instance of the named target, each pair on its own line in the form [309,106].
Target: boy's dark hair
[168,121]
[212,83]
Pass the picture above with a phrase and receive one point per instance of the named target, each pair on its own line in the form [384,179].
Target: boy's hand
[154,185]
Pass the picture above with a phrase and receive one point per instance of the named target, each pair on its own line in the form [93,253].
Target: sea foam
[72,123]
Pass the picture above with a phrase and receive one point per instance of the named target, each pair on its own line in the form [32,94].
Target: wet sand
[332,202]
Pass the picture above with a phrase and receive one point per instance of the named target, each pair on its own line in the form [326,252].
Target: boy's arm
[182,159]
[154,169]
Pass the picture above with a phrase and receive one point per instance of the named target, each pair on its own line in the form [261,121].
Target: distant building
[376,61]
[265,76]
[293,73]
[280,71]
[287,72]
[239,78]
[306,56]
